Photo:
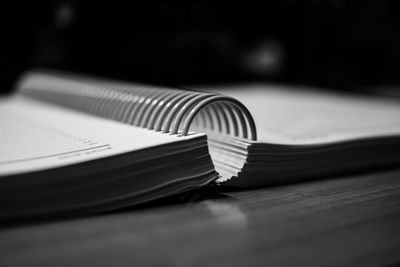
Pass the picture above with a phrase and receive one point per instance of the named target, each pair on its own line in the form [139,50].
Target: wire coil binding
[166,110]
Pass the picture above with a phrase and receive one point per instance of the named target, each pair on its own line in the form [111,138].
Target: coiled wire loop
[167,110]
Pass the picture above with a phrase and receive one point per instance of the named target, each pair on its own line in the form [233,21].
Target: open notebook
[72,144]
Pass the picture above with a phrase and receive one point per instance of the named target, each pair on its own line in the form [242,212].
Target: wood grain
[348,221]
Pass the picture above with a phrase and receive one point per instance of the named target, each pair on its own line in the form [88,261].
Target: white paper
[301,116]
[35,136]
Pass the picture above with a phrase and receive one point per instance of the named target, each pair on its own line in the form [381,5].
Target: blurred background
[338,44]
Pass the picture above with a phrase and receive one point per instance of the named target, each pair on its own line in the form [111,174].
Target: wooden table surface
[348,221]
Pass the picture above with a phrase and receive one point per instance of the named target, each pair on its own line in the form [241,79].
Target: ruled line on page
[53,155]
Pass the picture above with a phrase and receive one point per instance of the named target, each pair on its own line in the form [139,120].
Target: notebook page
[37,136]
[301,116]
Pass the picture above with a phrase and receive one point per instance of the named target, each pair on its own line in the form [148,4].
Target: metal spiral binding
[166,110]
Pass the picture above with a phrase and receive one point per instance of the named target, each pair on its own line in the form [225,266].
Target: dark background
[348,45]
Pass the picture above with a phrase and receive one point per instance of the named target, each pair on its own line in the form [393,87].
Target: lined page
[301,116]
[37,136]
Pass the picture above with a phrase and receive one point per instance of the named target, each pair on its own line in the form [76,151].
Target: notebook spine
[166,110]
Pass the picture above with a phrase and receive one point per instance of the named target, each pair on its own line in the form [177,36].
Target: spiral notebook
[72,144]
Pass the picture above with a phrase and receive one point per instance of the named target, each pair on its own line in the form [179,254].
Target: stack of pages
[304,133]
